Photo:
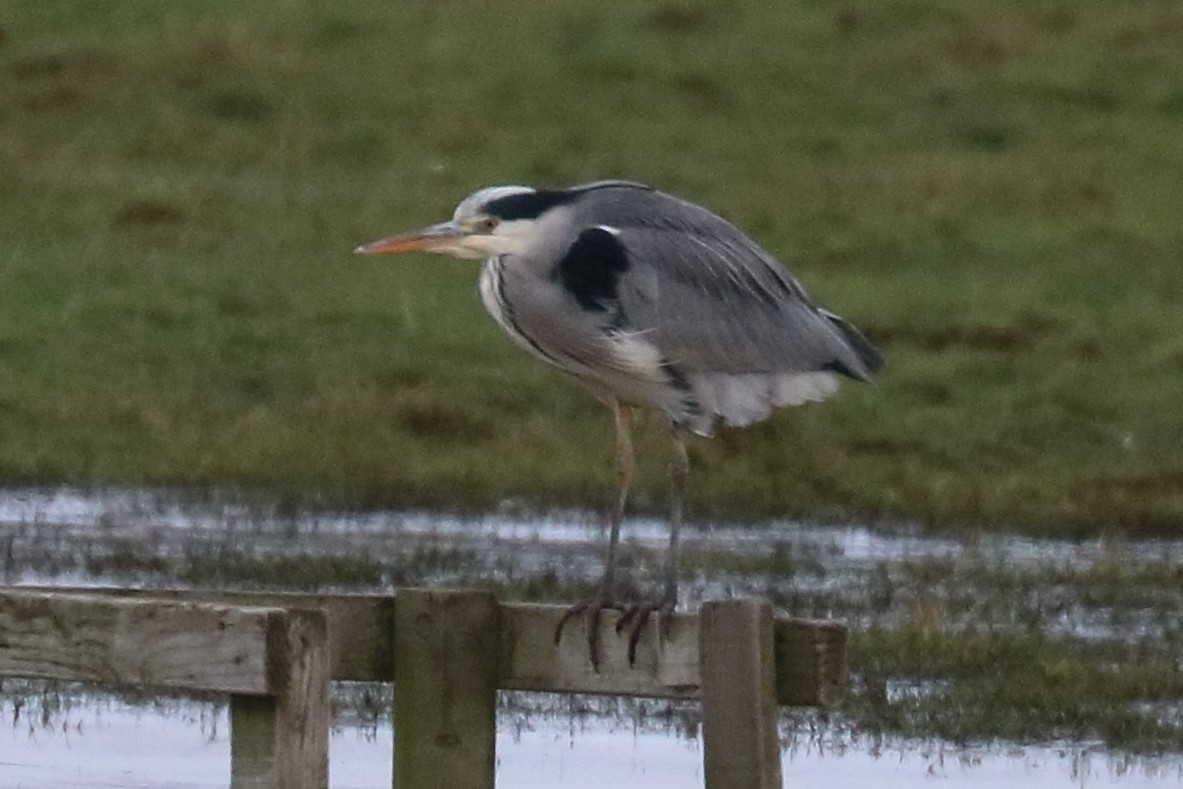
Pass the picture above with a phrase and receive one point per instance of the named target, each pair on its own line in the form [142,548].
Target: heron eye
[487,224]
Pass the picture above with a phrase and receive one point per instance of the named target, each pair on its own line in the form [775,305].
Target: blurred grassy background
[991,191]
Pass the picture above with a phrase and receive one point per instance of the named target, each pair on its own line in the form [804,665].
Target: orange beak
[434,238]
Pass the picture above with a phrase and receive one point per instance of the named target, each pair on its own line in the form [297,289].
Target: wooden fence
[447,652]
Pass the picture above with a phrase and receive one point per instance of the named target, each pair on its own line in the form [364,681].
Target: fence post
[741,747]
[281,741]
[446,647]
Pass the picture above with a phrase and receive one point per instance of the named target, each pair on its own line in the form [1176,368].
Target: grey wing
[719,303]
[684,301]
[735,331]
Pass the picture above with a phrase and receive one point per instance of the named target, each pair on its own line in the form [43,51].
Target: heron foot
[636,616]
[590,610]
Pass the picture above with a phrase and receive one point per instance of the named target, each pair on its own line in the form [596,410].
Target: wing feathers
[737,400]
[657,301]
[713,304]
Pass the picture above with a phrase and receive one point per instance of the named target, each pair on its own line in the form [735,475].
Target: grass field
[991,191]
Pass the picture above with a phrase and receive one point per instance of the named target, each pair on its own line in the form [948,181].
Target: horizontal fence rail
[273,662]
[447,652]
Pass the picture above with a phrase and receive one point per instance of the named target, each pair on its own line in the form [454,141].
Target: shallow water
[110,743]
[136,510]
[860,574]
[164,518]
[863,575]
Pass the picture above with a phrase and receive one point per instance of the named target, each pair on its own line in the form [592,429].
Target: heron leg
[605,594]
[623,417]
[637,616]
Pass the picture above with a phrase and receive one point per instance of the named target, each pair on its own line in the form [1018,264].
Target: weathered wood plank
[252,742]
[281,741]
[741,746]
[274,662]
[810,654]
[445,689]
[360,632]
[665,667]
[167,644]
[811,668]
[810,657]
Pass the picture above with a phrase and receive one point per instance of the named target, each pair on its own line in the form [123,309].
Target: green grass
[981,650]
[992,193]
[1021,687]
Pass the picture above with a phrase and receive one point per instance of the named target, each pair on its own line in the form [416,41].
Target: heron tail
[867,353]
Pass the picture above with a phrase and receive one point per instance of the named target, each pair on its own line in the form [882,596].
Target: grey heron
[647,300]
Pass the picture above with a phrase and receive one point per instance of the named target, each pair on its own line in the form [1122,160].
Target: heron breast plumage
[587,342]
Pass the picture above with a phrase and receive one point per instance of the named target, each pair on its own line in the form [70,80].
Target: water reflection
[97,740]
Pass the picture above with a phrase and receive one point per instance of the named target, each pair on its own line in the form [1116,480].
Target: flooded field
[102,741]
[943,629]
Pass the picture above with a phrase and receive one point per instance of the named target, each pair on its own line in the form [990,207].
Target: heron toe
[590,610]
[636,616]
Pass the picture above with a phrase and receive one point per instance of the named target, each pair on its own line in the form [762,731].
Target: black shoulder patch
[591,269]
[528,205]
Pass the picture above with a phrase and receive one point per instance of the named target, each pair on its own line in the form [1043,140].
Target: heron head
[488,222]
